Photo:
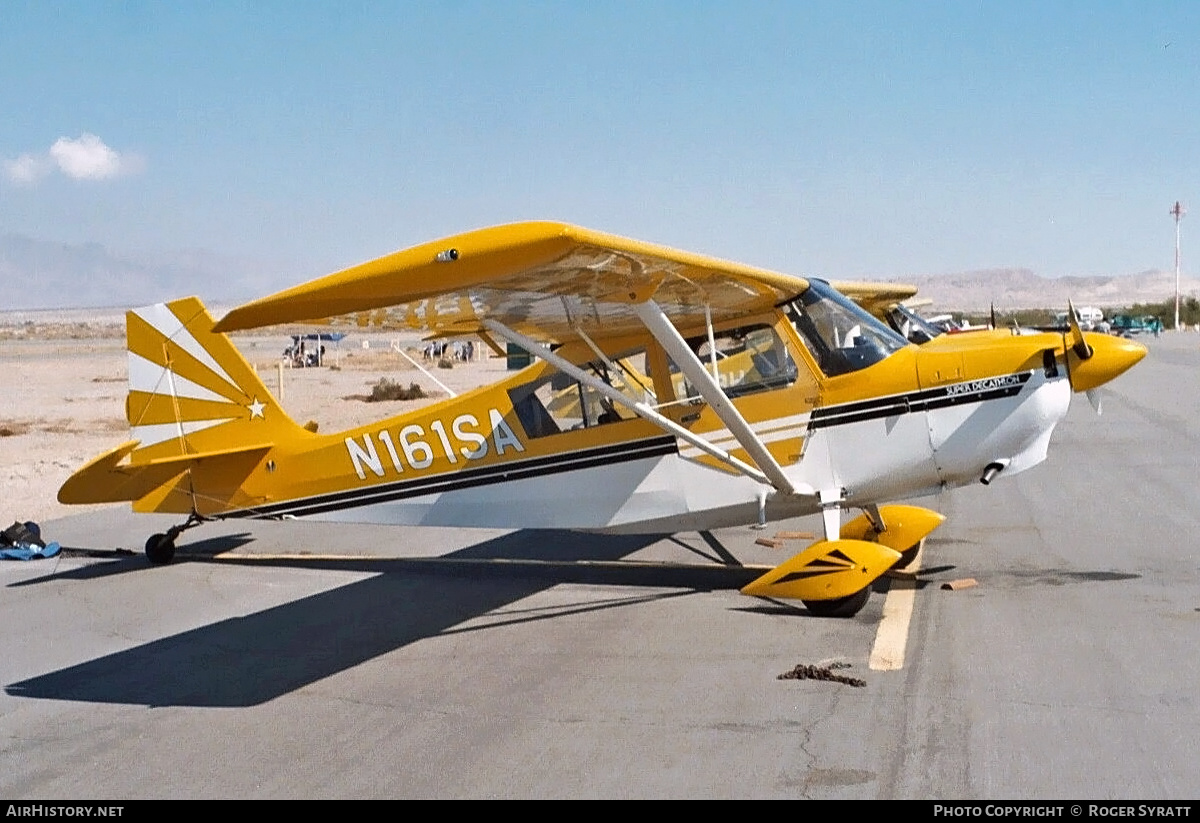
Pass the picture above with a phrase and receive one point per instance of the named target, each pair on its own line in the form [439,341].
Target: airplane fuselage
[951,411]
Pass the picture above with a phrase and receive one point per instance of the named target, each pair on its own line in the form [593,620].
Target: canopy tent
[309,349]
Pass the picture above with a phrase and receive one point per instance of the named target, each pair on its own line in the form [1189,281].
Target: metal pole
[397,347]
[1178,211]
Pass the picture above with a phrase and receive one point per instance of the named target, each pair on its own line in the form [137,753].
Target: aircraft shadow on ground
[248,660]
[123,561]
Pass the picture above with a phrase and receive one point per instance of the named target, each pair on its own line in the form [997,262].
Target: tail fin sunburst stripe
[151,378]
[161,354]
[153,434]
[162,319]
[190,390]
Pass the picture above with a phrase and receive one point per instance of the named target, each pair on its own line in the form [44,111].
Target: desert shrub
[387,389]
[445,363]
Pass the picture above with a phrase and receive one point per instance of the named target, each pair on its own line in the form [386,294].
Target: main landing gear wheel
[160,549]
[909,555]
[847,606]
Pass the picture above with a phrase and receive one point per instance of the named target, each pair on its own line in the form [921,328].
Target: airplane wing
[876,298]
[543,279]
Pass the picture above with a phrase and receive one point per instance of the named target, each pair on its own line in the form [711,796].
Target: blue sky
[840,139]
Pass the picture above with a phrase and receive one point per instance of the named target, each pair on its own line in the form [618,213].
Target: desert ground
[66,386]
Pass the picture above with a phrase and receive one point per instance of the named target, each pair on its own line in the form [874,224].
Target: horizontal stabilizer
[110,478]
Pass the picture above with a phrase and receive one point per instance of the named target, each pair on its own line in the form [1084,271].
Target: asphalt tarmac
[298,660]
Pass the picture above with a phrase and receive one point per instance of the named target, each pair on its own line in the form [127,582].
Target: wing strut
[669,337]
[615,368]
[641,409]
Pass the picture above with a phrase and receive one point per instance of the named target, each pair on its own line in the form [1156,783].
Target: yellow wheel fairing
[826,570]
[904,526]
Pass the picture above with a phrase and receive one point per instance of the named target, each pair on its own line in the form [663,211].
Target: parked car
[1127,325]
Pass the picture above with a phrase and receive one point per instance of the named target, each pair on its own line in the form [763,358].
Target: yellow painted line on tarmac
[891,638]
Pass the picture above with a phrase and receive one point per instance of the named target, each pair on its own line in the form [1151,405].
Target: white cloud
[85,158]
[25,169]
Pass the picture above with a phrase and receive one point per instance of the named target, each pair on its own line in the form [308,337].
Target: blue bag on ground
[23,541]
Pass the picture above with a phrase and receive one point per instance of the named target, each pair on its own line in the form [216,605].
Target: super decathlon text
[43,810]
[415,448]
[986,384]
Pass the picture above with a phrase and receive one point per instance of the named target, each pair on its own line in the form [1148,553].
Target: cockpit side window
[557,402]
[839,334]
[747,360]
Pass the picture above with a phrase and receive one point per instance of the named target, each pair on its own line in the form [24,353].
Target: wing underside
[546,280]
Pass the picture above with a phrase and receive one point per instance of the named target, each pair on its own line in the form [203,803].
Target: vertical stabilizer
[190,390]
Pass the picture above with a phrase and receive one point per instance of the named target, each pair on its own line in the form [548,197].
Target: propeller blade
[993,315]
[1093,396]
[1078,343]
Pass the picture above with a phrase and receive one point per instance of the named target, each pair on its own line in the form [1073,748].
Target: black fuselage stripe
[825,417]
[469,478]
[919,401]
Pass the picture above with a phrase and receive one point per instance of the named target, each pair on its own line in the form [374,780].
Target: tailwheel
[841,606]
[160,548]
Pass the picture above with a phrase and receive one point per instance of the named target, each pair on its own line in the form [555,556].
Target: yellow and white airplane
[671,392]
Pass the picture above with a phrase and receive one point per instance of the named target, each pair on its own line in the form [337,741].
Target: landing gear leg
[160,548]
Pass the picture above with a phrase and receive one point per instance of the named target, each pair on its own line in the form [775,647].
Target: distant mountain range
[1011,289]
[37,274]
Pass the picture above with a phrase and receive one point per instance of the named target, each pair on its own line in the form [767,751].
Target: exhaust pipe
[991,470]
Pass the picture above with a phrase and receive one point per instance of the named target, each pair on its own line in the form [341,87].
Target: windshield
[839,333]
[912,326]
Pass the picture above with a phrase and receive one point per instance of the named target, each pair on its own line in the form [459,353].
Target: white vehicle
[1089,317]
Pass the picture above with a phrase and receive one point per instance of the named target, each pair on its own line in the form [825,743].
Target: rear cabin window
[557,402]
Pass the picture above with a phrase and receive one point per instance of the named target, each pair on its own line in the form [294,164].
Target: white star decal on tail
[256,409]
